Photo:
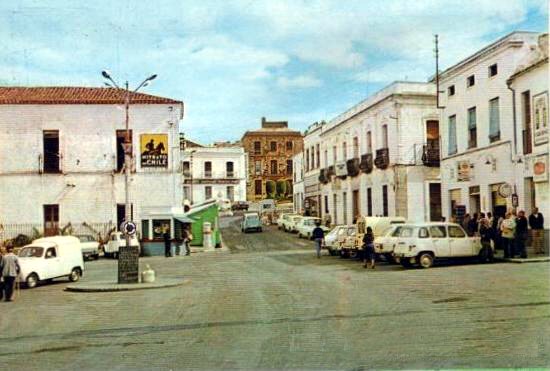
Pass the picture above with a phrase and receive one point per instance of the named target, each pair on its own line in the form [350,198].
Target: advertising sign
[463,171]
[540,169]
[154,150]
[540,111]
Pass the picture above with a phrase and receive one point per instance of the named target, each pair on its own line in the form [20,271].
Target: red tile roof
[75,95]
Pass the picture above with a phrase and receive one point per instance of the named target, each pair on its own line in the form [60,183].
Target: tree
[270,188]
[281,188]
[289,187]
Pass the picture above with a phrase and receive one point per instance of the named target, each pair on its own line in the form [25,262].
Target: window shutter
[452,135]
[494,118]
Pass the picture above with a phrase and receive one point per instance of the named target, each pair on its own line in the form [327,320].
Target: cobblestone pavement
[269,303]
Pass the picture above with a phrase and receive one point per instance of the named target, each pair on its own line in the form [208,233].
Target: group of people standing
[509,232]
[9,270]
[182,242]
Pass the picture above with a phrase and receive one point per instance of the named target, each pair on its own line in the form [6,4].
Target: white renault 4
[422,243]
[51,257]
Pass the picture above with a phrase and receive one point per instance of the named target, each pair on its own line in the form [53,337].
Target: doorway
[435,201]
[355,203]
[121,214]
[51,220]
[475,200]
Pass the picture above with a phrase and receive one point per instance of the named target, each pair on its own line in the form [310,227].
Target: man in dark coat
[521,234]
[167,242]
[536,222]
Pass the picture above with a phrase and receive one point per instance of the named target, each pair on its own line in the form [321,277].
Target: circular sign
[129,228]
[505,190]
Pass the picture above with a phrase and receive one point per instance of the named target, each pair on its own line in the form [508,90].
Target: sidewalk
[531,258]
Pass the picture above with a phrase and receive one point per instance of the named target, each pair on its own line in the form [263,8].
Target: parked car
[51,257]
[224,205]
[346,244]
[378,224]
[334,237]
[423,243]
[289,224]
[239,205]
[282,217]
[385,243]
[90,247]
[116,240]
[251,221]
[306,225]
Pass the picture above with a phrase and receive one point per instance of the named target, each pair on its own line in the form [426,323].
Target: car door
[460,245]
[54,268]
[439,241]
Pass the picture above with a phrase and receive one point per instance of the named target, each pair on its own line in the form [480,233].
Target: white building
[380,157]
[214,172]
[482,162]
[61,159]
[298,182]
[530,87]
[311,167]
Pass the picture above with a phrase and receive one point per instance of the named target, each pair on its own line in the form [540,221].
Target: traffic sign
[129,228]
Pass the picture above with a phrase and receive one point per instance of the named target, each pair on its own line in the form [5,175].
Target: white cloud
[303,81]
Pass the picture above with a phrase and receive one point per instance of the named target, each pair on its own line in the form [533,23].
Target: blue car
[251,222]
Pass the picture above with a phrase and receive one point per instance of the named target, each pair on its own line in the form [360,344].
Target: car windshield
[84,238]
[296,219]
[252,218]
[31,251]
[309,222]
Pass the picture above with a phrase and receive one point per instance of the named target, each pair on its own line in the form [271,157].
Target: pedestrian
[536,222]
[9,267]
[465,222]
[522,231]
[485,235]
[490,218]
[167,242]
[508,229]
[472,225]
[319,237]
[368,248]
[187,237]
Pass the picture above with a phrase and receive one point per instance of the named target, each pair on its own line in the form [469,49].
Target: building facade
[298,183]
[63,160]
[482,138]
[217,172]
[312,167]
[379,158]
[270,152]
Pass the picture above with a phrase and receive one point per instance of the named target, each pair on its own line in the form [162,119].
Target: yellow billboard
[154,150]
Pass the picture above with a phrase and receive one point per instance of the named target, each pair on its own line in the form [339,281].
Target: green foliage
[288,187]
[281,188]
[270,188]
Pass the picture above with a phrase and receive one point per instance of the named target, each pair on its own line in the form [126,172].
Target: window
[423,233]
[258,167]
[289,145]
[307,159]
[230,192]
[451,90]
[526,112]
[334,155]
[51,151]
[208,169]
[207,192]
[471,81]
[345,204]
[186,168]
[494,120]
[326,205]
[456,232]
[159,226]
[472,128]
[344,151]
[273,146]
[493,70]
[50,253]
[369,142]
[312,164]
[229,169]
[186,193]
[288,167]
[438,231]
[257,148]
[403,232]
[326,159]
[273,167]
[369,201]
[335,208]
[452,135]
[318,154]
[355,147]
[385,200]
[384,136]
[258,187]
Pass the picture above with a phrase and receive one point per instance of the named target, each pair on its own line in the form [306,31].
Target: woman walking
[368,248]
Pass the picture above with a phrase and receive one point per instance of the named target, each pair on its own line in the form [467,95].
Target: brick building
[270,150]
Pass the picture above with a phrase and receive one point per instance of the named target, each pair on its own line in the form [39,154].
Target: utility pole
[437,70]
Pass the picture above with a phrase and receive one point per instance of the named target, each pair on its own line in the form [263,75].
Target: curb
[107,286]
[520,261]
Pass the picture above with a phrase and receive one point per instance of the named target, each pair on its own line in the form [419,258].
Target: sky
[233,62]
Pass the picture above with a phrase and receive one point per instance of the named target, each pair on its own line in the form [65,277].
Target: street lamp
[128,271]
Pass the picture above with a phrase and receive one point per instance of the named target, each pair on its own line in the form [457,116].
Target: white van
[51,257]
[116,240]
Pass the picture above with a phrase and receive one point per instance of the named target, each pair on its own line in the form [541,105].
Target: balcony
[341,170]
[527,142]
[323,177]
[352,166]
[331,171]
[382,160]
[230,174]
[366,164]
[430,154]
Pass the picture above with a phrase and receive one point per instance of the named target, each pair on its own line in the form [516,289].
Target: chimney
[263,122]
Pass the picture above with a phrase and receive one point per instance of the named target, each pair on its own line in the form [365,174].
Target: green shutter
[452,135]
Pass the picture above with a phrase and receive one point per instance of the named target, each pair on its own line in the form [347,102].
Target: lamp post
[128,262]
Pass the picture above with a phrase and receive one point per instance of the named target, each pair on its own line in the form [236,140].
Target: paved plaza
[268,303]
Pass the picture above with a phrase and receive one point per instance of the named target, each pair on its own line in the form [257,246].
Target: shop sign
[505,190]
[515,200]
[463,171]
[154,150]
[540,169]
[540,104]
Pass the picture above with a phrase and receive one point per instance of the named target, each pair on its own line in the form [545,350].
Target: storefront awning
[184,219]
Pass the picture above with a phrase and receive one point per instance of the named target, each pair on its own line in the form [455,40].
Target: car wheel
[389,258]
[426,260]
[31,280]
[353,254]
[344,254]
[260,229]
[331,252]
[75,275]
